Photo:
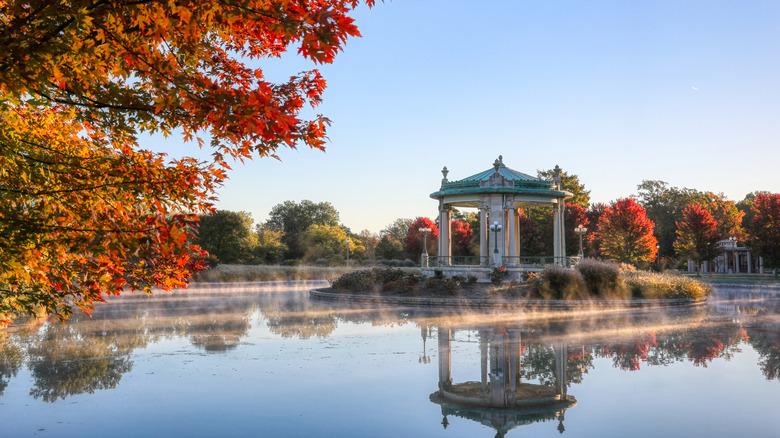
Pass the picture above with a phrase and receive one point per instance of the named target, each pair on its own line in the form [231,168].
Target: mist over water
[263,359]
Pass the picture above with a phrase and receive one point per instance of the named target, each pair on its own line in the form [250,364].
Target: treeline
[660,225]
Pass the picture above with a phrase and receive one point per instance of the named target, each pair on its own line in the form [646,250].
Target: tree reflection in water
[11,359]
[64,362]
[86,355]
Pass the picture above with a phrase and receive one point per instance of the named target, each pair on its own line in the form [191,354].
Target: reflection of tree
[767,344]
[11,359]
[216,332]
[699,346]
[298,319]
[64,362]
[627,355]
[538,362]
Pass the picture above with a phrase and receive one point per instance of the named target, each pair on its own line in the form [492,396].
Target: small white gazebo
[498,193]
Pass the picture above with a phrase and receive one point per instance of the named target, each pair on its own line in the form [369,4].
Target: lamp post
[425,231]
[348,252]
[581,231]
[496,228]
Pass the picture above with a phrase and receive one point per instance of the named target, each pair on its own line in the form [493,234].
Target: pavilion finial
[557,173]
[444,172]
[497,163]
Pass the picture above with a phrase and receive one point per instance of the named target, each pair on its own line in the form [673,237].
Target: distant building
[734,259]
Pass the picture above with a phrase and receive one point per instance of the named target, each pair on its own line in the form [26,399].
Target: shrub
[433,283]
[654,285]
[357,281]
[450,285]
[437,273]
[471,280]
[559,283]
[602,278]
[498,274]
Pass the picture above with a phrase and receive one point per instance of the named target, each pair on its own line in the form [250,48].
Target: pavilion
[499,193]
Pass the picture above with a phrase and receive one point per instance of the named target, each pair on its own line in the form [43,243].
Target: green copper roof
[513,182]
[506,172]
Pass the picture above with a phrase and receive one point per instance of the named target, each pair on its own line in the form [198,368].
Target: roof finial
[501,159]
[557,173]
[444,172]
[497,164]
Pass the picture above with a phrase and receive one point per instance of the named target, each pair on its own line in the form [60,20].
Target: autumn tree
[531,236]
[665,205]
[764,229]
[415,239]
[461,235]
[697,235]
[294,218]
[626,233]
[591,239]
[84,209]
[745,206]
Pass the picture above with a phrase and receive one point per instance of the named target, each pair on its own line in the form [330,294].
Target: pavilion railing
[442,261]
[521,262]
[540,261]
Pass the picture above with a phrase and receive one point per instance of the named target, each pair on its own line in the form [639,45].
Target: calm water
[265,361]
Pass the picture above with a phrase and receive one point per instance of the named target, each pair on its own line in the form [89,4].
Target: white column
[445,358]
[760,265]
[497,215]
[750,263]
[484,229]
[512,236]
[517,233]
[736,262]
[556,233]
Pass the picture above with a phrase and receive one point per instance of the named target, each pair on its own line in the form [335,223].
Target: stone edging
[334,297]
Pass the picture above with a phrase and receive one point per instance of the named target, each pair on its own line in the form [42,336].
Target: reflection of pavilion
[500,399]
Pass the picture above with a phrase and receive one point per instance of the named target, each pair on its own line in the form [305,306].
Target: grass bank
[238,273]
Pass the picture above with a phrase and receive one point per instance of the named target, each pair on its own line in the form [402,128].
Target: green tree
[388,249]
[764,229]
[370,241]
[396,232]
[626,233]
[269,248]
[293,219]
[570,183]
[697,236]
[329,242]
[227,235]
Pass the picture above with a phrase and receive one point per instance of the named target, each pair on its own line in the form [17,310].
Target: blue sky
[687,92]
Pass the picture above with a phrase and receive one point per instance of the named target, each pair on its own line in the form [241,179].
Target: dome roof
[499,179]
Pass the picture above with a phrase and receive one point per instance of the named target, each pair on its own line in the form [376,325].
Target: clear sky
[687,92]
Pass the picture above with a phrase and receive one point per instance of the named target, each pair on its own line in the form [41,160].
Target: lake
[264,360]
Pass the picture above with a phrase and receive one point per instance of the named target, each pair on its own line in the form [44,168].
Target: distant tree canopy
[664,206]
[697,235]
[764,229]
[415,240]
[294,218]
[626,233]
[227,236]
